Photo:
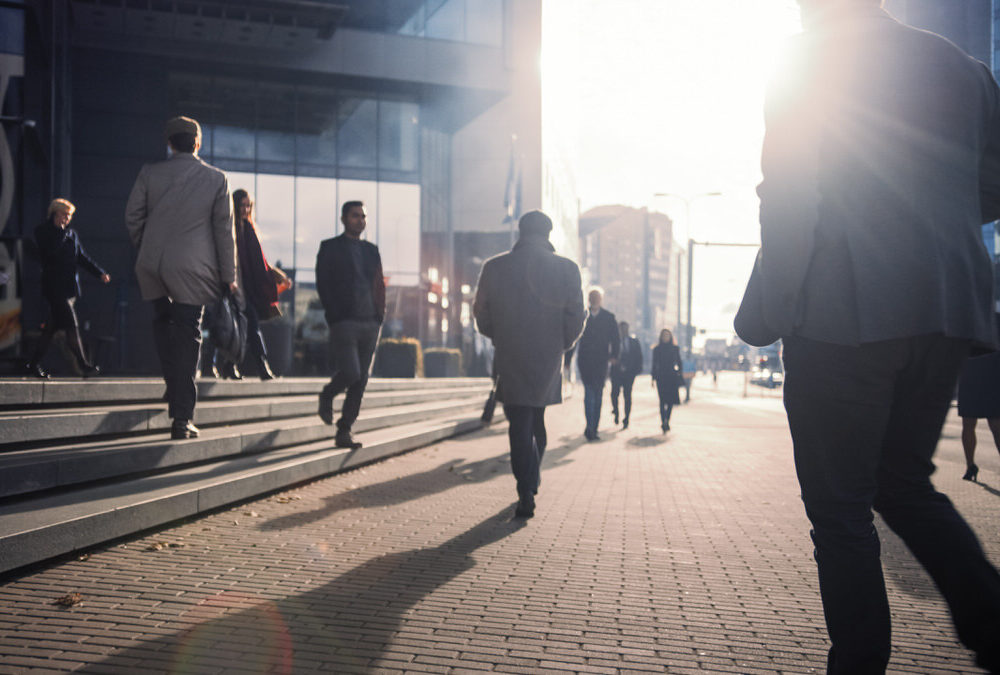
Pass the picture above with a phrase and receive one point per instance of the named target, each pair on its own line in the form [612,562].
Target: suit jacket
[180,218]
[336,281]
[61,253]
[881,161]
[599,343]
[530,303]
[630,360]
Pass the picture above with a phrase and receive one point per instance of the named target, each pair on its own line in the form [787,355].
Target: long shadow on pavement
[450,473]
[348,623]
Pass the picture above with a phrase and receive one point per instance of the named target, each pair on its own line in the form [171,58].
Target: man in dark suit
[624,371]
[352,289]
[881,160]
[598,345]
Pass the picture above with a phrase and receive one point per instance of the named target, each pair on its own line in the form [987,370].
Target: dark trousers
[177,334]
[865,422]
[527,445]
[623,384]
[592,404]
[352,345]
[667,393]
[62,316]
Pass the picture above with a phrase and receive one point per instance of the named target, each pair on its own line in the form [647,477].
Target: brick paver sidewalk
[649,553]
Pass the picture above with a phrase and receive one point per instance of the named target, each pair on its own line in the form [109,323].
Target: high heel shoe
[971,473]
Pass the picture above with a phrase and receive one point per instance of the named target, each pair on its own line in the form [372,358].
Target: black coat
[630,360]
[599,343]
[61,252]
[336,281]
[667,369]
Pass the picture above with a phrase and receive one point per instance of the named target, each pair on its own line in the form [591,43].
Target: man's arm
[135,209]
[85,261]
[574,313]
[224,230]
[616,340]
[989,169]
[324,275]
[481,305]
[789,195]
[378,287]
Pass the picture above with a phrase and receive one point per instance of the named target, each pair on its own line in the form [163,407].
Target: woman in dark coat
[978,398]
[61,253]
[258,286]
[668,374]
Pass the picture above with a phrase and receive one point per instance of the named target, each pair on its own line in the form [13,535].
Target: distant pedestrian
[667,375]
[624,372]
[599,345]
[978,398]
[180,218]
[61,255]
[529,301]
[881,161]
[259,291]
[352,289]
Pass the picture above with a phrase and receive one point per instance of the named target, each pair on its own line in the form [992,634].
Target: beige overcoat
[180,219]
[530,303]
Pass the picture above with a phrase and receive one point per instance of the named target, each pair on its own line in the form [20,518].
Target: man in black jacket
[881,162]
[598,345]
[352,289]
[624,371]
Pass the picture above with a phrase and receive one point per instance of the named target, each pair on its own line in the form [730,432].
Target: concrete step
[24,392]
[234,403]
[60,465]
[33,529]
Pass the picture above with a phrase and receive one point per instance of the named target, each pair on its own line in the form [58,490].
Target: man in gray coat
[180,219]
[881,161]
[529,301]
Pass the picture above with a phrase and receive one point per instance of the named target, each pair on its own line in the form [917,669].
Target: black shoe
[182,429]
[344,439]
[615,413]
[625,423]
[266,373]
[36,370]
[231,372]
[525,507]
[326,407]
[91,371]
[212,372]
[971,473]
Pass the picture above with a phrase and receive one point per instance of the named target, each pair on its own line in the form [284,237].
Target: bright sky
[652,96]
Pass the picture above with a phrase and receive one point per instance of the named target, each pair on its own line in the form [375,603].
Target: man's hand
[233,286]
[105,278]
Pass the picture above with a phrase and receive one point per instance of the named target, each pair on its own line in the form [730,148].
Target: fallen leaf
[177,544]
[236,522]
[155,546]
[85,557]
[69,600]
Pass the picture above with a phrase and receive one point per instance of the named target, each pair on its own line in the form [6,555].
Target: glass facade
[473,21]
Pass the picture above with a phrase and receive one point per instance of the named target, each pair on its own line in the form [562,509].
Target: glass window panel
[399,128]
[484,22]
[415,24]
[276,146]
[233,143]
[316,140]
[448,22]
[317,216]
[399,232]
[275,209]
[356,136]
[366,191]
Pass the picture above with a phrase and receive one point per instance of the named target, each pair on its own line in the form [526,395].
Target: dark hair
[183,142]
[238,196]
[346,208]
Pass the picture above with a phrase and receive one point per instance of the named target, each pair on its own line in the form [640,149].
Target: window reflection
[356,136]
[317,218]
[275,210]
[399,126]
[399,232]
[448,21]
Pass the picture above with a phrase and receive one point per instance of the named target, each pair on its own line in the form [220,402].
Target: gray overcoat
[530,303]
[180,218]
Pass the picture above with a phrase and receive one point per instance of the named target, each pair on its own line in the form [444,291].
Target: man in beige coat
[180,219]
[530,303]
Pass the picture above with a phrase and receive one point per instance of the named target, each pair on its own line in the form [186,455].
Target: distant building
[630,254]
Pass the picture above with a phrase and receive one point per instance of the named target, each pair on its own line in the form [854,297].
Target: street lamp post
[690,257]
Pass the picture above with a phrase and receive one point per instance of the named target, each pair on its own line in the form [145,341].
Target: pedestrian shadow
[993,491]
[449,474]
[350,621]
[647,441]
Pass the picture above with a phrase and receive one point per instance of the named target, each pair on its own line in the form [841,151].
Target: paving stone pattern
[680,553]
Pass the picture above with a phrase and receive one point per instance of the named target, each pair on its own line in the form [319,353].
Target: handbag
[491,404]
[227,327]
[749,321]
